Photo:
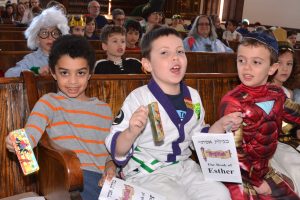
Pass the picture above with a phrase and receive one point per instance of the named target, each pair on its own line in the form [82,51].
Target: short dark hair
[233,22]
[153,34]
[133,25]
[107,30]
[116,12]
[291,32]
[73,46]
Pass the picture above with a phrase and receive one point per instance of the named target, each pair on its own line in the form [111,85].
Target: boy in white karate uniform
[165,168]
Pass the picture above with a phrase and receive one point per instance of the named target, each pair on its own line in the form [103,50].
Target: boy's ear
[104,46]
[53,74]
[146,64]
[273,69]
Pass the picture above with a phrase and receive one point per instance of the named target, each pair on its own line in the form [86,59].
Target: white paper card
[117,189]
[218,157]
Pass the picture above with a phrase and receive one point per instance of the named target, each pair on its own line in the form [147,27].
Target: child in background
[133,34]
[231,34]
[90,29]
[292,37]
[114,43]
[286,160]
[264,106]
[77,25]
[71,118]
[42,32]
[165,168]
[175,23]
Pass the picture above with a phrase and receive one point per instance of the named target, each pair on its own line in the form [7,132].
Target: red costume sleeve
[250,171]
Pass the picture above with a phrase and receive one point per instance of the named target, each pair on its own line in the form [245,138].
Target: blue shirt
[37,58]
[205,45]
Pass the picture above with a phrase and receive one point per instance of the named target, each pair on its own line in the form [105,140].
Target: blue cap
[264,38]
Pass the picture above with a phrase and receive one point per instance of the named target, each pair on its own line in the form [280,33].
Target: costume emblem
[119,118]
[266,106]
[197,109]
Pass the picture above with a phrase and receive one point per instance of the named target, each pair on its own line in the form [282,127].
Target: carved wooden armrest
[60,170]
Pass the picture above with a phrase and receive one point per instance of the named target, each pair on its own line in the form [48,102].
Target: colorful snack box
[155,121]
[24,151]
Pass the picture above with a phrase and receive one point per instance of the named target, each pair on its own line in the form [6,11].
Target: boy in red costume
[265,106]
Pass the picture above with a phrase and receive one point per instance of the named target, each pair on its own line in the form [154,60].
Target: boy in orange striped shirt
[72,119]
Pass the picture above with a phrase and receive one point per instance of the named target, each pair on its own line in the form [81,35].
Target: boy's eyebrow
[62,68]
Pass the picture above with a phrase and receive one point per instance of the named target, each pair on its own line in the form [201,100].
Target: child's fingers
[9,144]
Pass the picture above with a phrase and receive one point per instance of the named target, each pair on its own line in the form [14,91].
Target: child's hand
[109,173]
[138,120]
[9,144]
[44,71]
[230,122]
[263,189]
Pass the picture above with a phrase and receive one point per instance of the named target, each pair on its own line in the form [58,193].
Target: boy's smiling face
[253,65]
[167,63]
[115,46]
[72,76]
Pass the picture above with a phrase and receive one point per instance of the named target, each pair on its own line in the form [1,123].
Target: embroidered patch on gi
[119,118]
[266,106]
[188,102]
[197,109]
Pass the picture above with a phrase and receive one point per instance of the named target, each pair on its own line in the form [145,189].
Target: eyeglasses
[45,34]
[203,24]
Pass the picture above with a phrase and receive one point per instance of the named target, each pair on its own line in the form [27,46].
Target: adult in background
[118,17]
[203,37]
[42,32]
[94,11]
[217,23]
[151,12]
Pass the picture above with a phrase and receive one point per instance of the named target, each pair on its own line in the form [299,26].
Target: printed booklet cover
[218,157]
[117,189]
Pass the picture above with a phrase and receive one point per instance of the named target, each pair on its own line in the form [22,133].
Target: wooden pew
[13,45]
[21,45]
[12,35]
[113,89]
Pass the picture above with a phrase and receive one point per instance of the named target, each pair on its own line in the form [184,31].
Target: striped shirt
[80,126]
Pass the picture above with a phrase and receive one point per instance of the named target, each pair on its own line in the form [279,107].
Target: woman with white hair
[203,37]
[42,32]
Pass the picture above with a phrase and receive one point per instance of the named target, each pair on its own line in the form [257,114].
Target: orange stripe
[74,111]
[48,104]
[84,113]
[40,115]
[81,151]
[69,137]
[101,167]
[33,140]
[35,127]
[80,126]
[58,97]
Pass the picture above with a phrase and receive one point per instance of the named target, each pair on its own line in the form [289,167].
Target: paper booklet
[218,157]
[117,189]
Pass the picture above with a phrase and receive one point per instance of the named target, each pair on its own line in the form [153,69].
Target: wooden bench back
[12,35]
[21,45]
[198,62]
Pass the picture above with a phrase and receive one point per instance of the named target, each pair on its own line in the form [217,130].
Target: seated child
[77,25]
[42,32]
[175,23]
[133,34]
[265,106]
[286,160]
[231,34]
[114,43]
[90,29]
[165,168]
[71,118]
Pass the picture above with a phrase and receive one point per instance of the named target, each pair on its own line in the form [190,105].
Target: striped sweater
[80,126]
